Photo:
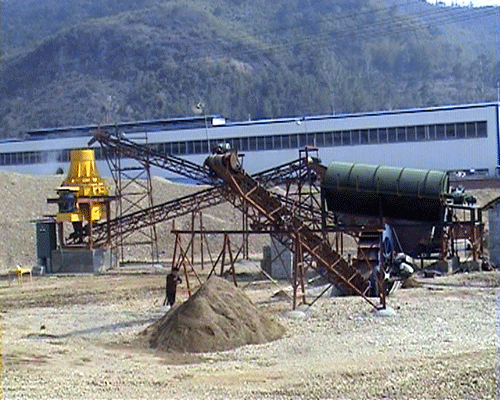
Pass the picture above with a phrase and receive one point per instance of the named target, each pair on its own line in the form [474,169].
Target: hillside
[82,62]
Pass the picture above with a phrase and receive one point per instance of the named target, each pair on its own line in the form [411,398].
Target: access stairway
[369,257]
[328,263]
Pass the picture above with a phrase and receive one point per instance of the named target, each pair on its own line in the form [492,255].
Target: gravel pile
[64,341]
[440,343]
[24,199]
[217,317]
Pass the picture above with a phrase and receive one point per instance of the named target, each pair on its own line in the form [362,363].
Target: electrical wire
[384,27]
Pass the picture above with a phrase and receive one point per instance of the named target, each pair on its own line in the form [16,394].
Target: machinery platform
[80,260]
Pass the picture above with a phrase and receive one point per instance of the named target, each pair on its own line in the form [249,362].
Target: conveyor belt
[329,262]
[146,155]
[125,225]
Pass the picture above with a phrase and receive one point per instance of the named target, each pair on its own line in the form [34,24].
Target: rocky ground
[80,337]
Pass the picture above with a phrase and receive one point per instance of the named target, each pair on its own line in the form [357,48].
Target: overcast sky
[476,3]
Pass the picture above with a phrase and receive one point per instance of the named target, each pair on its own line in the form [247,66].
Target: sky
[476,3]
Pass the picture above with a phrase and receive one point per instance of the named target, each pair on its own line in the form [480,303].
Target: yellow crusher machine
[83,196]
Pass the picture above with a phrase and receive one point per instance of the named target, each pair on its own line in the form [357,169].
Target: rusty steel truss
[327,262]
[134,192]
[283,202]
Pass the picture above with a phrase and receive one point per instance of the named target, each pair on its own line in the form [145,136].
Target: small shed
[493,208]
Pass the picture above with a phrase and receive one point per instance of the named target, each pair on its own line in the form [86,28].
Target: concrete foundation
[80,261]
[452,266]
[278,260]
[265,264]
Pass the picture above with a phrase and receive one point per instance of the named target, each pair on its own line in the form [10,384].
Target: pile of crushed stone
[217,317]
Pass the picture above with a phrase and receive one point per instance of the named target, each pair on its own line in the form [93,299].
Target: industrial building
[463,140]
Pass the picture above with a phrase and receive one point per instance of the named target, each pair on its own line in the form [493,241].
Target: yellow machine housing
[78,192]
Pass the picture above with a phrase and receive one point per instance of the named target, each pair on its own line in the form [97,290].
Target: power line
[384,27]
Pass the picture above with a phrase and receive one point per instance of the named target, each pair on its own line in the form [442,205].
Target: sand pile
[217,317]
[24,199]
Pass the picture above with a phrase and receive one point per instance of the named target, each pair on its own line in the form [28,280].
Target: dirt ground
[78,337]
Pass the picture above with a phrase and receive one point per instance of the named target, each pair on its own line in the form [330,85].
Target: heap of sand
[24,200]
[217,317]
